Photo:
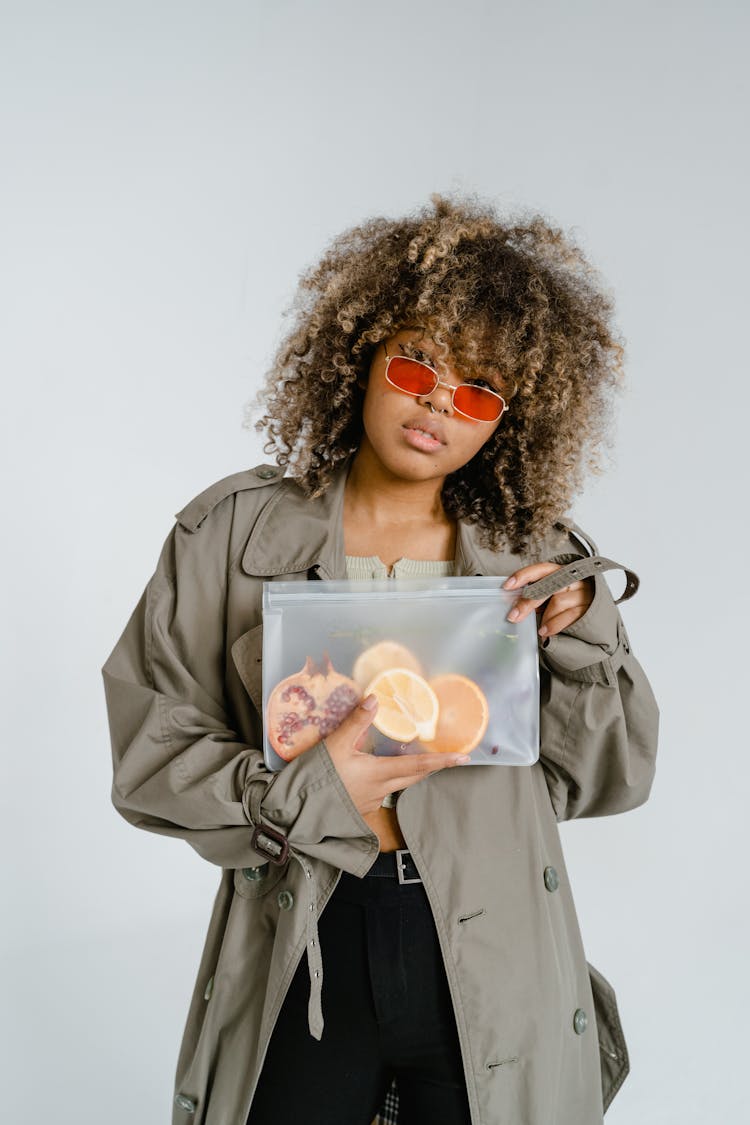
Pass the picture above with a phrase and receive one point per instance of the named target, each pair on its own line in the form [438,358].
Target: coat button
[253,873]
[551,879]
[265,474]
[286,900]
[185,1103]
[580,1021]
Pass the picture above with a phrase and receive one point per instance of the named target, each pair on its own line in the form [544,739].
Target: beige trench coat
[538,1026]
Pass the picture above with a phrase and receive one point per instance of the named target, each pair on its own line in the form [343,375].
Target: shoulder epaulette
[194,513]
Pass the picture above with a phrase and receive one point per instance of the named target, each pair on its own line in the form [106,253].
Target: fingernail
[514,615]
[509,583]
[462,758]
[543,631]
[370,703]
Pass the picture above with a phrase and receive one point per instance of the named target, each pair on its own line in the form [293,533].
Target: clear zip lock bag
[451,674]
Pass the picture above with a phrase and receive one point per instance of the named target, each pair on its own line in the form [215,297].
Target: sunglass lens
[478,403]
[410,376]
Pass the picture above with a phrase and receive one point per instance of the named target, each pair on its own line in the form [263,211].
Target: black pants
[387,1011]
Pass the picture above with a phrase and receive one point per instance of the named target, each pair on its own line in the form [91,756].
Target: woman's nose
[441,398]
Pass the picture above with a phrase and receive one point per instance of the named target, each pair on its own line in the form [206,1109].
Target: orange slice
[407,705]
[463,716]
[380,657]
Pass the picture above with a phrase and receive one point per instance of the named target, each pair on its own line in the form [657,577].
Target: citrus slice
[463,715]
[380,657]
[407,705]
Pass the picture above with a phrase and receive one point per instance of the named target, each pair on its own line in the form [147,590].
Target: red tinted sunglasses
[416,378]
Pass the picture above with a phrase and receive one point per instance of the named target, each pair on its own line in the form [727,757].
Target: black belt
[396,865]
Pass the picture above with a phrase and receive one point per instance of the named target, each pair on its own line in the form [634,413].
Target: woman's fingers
[567,597]
[559,621]
[522,607]
[368,777]
[351,733]
[527,574]
[404,769]
[563,607]
[563,592]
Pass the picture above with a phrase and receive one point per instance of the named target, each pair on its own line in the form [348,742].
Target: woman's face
[411,440]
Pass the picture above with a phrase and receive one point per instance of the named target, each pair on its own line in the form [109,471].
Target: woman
[443,389]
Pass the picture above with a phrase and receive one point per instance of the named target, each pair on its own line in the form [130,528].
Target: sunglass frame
[441,383]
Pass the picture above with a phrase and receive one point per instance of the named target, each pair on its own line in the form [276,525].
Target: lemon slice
[379,658]
[407,706]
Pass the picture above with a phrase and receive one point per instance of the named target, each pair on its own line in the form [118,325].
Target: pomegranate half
[307,706]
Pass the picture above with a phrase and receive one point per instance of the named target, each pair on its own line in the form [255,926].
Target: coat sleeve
[599,719]
[179,767]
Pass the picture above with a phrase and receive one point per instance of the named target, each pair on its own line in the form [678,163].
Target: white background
[168,169]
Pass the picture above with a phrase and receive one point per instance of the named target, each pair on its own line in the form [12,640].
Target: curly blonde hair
[513,297]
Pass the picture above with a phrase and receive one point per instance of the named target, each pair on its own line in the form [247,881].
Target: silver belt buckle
[400,853]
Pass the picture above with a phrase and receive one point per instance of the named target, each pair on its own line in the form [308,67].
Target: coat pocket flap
[247,654]
[613,1051]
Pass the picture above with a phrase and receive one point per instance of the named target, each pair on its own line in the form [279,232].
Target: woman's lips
[419,439]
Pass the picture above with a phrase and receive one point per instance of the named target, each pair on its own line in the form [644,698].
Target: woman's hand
[368,777]
[565,607]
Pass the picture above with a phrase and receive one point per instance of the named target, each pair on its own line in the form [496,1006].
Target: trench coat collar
[295,533]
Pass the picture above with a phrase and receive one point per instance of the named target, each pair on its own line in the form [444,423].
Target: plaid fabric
[388,1114]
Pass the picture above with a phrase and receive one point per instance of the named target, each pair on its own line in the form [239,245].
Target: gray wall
[169,168]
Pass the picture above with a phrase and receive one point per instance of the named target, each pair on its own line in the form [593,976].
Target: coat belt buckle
[400,853]
[270,843]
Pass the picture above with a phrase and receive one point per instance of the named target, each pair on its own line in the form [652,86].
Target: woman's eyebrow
[414,347]
[490,377]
